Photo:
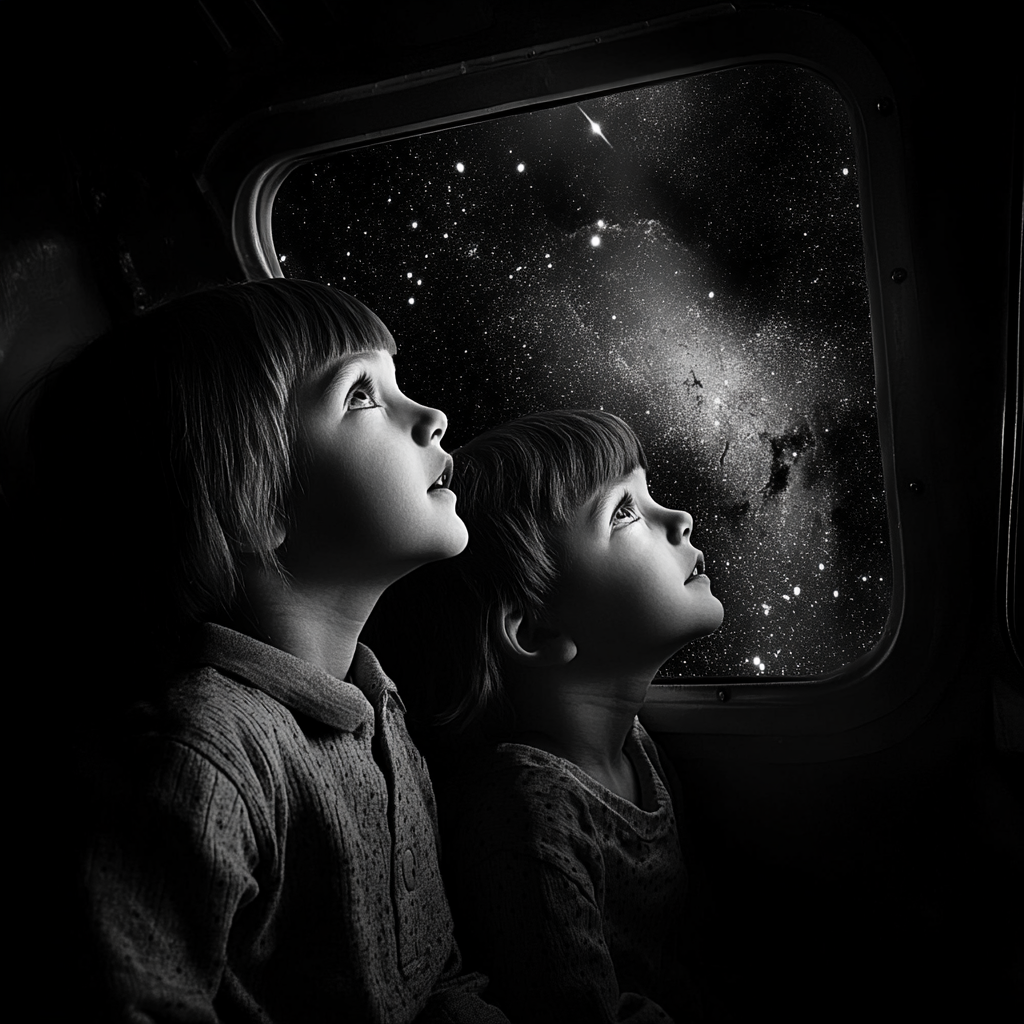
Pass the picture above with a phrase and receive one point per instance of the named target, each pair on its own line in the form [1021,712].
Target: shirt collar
[298,684]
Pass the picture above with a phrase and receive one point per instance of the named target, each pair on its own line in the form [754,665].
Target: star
[594,126]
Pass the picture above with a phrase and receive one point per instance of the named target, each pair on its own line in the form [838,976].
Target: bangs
[547,464]
[306,325]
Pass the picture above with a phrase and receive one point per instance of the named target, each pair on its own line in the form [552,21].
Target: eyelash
[364,384]
[627,504]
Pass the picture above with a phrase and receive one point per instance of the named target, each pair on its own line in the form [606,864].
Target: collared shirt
[273,854]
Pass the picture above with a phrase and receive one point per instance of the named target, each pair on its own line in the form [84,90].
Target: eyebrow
[603,496]
[600,501]
[348,369]
[337,378]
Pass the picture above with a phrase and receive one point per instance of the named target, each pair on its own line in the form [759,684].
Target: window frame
[782,718]
[1011,490]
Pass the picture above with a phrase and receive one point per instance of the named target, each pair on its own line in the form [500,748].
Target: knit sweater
[571,898]
[272,854]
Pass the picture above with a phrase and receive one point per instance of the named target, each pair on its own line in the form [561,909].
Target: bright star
[594,126]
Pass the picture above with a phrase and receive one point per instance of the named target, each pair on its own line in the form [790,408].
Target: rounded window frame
[888,689]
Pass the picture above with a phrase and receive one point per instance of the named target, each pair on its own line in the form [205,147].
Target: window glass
[686,254]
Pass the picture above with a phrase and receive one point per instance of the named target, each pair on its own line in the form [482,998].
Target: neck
[319,625]
[584,719]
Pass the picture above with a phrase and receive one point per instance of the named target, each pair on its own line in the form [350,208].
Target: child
[567,877]
[243,468]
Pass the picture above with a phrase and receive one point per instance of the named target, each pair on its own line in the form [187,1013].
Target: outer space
[687,255]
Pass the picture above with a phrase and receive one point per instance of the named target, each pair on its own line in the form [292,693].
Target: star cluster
[687,255]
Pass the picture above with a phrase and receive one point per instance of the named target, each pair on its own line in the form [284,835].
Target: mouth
[698,569]
[444,480]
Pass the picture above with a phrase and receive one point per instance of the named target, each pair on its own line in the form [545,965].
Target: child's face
[376,502]
[628,595]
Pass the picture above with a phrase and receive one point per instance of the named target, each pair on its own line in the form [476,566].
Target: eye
[625,512]
[362,394]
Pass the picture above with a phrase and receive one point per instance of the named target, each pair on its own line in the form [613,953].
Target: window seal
[1011,490]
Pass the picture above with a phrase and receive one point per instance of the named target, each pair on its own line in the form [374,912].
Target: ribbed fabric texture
[571,898]
[272,854]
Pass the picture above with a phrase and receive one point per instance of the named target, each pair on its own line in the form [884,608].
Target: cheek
[369,490]
[663,606]
[346,501]
[626,604]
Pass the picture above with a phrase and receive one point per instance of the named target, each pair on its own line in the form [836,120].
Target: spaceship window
[686,254]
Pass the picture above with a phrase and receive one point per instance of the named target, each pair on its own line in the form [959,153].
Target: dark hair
[517,486]
[168,446]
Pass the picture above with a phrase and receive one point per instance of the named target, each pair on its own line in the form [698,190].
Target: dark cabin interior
[878,880]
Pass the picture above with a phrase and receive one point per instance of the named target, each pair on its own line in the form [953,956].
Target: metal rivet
[723,695]
[884,106]
[899,275]
[916,487]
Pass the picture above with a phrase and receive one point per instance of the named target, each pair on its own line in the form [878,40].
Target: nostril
[440,424]
[429,424]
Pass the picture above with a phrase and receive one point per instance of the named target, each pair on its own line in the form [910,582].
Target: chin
[719,616]
[710,619]
[454,543]
[461,539]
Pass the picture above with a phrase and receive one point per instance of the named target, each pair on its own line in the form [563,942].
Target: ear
[531,642]
[274,538]
[277,535]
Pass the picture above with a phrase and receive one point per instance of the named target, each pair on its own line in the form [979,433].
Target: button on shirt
[272,856]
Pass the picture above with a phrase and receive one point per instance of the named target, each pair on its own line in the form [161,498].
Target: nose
[429,425]
[678,525]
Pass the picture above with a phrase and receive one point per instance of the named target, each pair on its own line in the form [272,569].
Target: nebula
[704,279]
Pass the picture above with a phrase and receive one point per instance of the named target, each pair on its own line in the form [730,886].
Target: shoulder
[207,725]
[516,800]
[180,773]
[514,815]
[212,711]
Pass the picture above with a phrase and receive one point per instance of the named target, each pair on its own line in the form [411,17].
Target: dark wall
[875,887]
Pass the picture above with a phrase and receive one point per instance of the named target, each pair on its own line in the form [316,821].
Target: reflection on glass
[687,255]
